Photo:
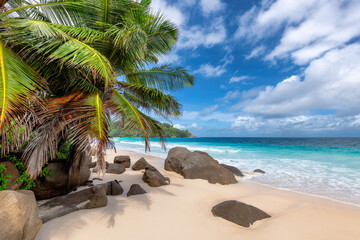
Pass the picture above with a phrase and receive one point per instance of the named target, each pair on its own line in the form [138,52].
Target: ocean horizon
[326,167]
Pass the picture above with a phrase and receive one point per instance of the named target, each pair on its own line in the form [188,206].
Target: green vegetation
[68,67]
[167,131]
[27,182]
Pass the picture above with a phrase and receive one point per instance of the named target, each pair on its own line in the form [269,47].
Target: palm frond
[164,103]
[164,77]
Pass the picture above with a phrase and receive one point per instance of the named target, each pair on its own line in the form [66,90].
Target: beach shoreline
[182,210]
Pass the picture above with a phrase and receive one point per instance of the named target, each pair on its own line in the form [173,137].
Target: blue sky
[268,67]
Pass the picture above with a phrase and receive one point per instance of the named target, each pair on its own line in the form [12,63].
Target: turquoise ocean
[327,167]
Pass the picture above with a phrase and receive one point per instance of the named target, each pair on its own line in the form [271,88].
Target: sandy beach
[182,210]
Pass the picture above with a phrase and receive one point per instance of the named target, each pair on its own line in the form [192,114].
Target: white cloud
[331,83]
[172,57]
[179,126]
[211,6]
[309,28]
[194,125]
[206,36]
[297,124]
[238,79]
[255,52]
[231,95]
[209,70]
[170,11]
[211,109]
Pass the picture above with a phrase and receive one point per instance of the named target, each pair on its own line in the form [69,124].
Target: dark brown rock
[197,165]
[124,160]
[239,213]
[116,188]
[115,168]
[233,169]
[12,170]
[154,178]
[259,171]
[141,164]
[98,198]
[85,199]
[62,181]
[19,215]
[92,165]
[135,189]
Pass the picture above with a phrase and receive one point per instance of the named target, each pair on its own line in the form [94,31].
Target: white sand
[182,210]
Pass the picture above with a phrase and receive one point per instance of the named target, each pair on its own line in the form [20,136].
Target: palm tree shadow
[115,207]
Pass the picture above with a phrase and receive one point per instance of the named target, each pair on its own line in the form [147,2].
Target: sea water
[328,167]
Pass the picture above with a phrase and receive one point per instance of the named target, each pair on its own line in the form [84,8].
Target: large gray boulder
[19,215]
[14,175]
[197,165]
[62,181]
[154,178]
[89,198]
[233,169]
[239,213]
[141,164]
[122,159]
[115,168]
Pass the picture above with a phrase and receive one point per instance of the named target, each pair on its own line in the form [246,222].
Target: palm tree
[68,68]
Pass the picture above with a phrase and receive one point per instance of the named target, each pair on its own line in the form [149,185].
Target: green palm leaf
[164,77]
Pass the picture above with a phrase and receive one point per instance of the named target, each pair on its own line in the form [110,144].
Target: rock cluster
[197,165]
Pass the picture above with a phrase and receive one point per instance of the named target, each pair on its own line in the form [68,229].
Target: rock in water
[141,164]
[11,170]
[135,189]
[239,213]
[197,165]
[154,178]
[233,169]
[115,168]
[85,199]
[124,160]
[19,215]
[259,171]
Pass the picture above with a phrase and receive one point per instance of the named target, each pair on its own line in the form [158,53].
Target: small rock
[116,188]
[115,168]
[259,171]
[141,164]
[233,169]
[154,178]
[124,160]
[135,189]
[239,213]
